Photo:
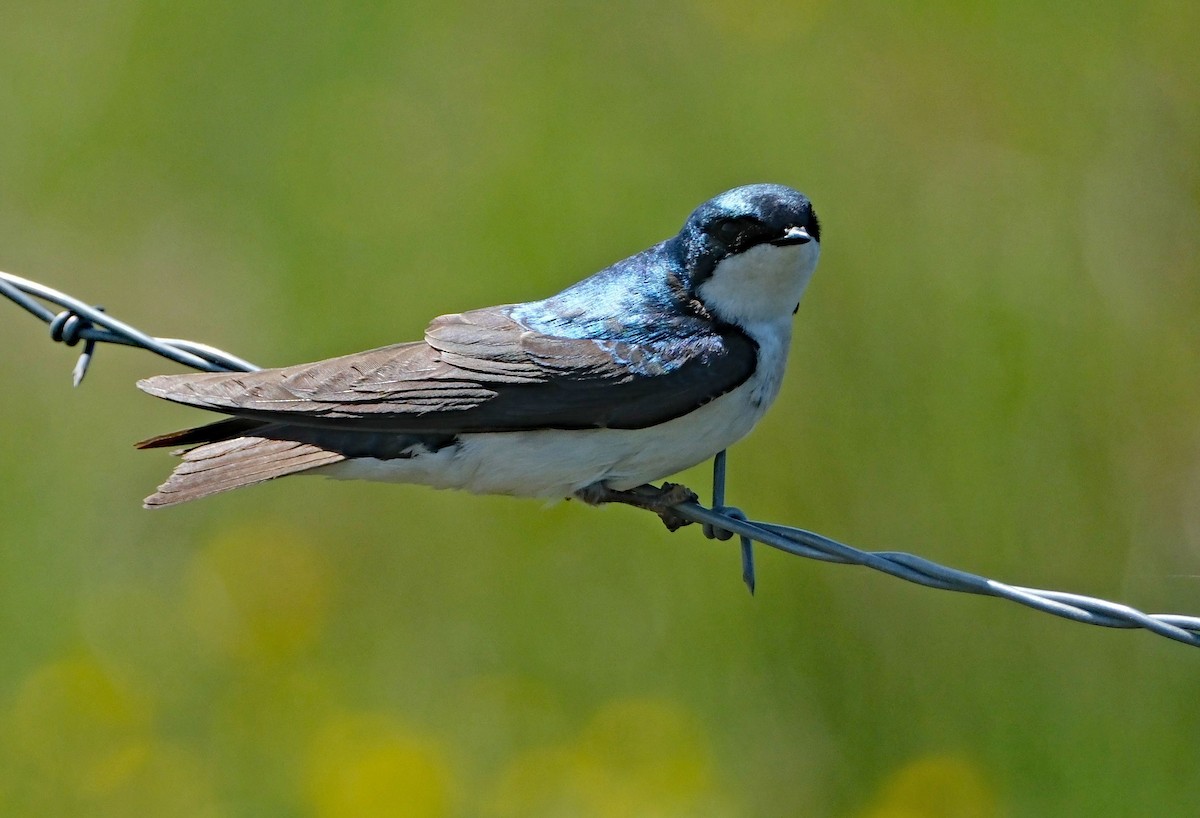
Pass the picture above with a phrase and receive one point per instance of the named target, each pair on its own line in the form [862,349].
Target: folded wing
[483,371]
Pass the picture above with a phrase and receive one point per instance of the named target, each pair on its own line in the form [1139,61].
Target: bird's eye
[735,232]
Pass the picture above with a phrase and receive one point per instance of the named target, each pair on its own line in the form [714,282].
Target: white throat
[761,285]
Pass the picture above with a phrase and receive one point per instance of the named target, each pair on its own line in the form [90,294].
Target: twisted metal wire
[79,321]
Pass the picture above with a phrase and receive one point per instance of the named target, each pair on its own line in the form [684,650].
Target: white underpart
[758,290]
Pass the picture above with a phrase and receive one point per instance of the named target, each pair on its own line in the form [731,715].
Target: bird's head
[750,252]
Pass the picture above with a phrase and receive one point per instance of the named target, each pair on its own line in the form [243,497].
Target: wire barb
[67,328]
[79,321]
[717,533]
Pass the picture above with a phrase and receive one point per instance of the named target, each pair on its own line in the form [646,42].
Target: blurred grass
[995,367]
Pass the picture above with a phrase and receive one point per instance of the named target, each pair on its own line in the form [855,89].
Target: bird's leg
[652,498]
[713,532]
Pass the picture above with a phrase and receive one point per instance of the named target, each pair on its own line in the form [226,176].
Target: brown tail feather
[211,433]
[230,463]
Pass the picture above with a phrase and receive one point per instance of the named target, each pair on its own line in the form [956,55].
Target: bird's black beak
[793,235]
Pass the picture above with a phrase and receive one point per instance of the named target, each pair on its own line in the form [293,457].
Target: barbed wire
[78,321]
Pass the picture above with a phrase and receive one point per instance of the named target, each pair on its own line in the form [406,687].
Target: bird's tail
[211,433]
[230,454]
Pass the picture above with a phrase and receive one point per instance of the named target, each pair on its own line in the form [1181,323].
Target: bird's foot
[652,498]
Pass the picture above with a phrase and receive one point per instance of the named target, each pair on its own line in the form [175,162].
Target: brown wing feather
[481,371]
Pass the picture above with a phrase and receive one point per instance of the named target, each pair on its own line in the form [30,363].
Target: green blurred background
[996,367]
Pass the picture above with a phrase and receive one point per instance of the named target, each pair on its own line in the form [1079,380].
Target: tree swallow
[644,369]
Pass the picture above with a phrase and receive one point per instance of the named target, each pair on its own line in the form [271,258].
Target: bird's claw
[659,499]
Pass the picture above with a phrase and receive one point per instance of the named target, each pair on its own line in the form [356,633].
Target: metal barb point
[748,564]
[85,360]
[68,327]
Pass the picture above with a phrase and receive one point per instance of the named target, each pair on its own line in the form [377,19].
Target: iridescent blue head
[750,251]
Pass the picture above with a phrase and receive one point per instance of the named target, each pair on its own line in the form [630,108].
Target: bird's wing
[483,371]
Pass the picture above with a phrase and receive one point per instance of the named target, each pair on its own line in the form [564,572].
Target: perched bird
[646,368]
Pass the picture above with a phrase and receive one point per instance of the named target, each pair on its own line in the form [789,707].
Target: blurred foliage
[996,366]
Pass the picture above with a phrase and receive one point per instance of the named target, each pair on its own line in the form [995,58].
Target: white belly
[556,463]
